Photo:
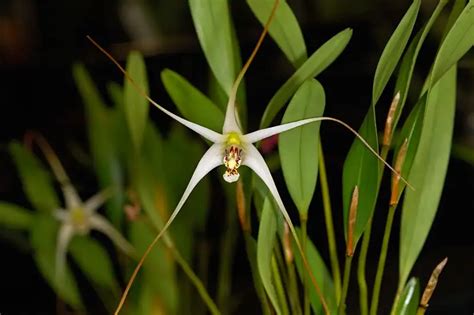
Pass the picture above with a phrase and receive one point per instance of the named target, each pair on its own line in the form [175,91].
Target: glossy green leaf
[43,240]
[37,181]
[393,51]
[361,169]
[192,104]
[299,147]
[214,29]
[266,240]
[158,269]
[321,273]
[103,139]
[409,59]
[428,171]
[316,63]
[94,262]
[411,131]
[458,41]
[136,106]
[409,299]
[15,217]
[284,29]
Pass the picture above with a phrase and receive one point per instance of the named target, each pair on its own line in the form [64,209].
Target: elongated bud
[241,211]
[431,286]
[287,244]
[398,168]
[352,222]
[387,135]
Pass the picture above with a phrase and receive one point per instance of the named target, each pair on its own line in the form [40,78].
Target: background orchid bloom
[78,217]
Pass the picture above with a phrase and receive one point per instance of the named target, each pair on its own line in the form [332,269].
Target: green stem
[363,295]
[293,295]
[382,259]
[345,285]
[336,274]
[279,287]
[195,281]
[304,224]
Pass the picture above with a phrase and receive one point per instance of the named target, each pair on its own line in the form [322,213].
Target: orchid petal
[94,202]
[99,223]
[231,120]
[61,214]
[71,197]
[268,132]
[66,232]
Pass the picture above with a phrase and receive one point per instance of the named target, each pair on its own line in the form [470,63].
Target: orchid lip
[232,161]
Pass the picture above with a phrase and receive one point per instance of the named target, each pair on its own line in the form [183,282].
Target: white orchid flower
[232,149]
[78,217]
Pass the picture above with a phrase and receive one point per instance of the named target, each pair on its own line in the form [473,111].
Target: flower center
[79,220]
[232,161]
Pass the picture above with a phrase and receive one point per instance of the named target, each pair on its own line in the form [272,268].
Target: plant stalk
[304,224]
[345,285]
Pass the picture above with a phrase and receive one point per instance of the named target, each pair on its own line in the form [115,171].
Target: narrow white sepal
[65,234]
[71,197]
[61,214]
[255,161]
[209,161]
[94,202]
[258,135]
[231,119]
[99,223]
[206,133]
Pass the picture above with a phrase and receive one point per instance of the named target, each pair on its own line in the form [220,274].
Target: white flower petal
[99,223]
[66,232]
[206,133]
[94,202]
[71,197]
[61,215]
[268,132]
[231,120]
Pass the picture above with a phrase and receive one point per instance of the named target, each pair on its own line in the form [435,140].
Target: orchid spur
[79,217]
[232,148]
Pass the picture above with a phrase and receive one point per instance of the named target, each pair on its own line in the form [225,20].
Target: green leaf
[409,299]
[158,269]
[322,274]
[393,50]
[37,182]
[284,29]
[361,169]
[16,217]
[458,41]
[94,261]
[408,62]
[214,29]
[136,106]
[103,141]
[428,171]
[43,240]
[318,62]
[266,240]
[192,104]
[299,147]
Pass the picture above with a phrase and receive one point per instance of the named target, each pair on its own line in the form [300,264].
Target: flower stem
[304,231]
[195,281]
[279,287]
[363,296]
[345,285]
[382,259]
[336,274]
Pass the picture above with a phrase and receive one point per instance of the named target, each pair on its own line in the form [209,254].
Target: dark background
[40,40]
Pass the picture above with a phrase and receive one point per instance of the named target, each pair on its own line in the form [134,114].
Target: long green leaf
[393,50]
[458,41]
[136,106]
[321,272]
[409,299]
[284,29]
[213,27]
[315,64]
[192,104]
[103,141]
[428,171]
[266,240]
[37,182]
[361,167]
[43,236]
[14,216]
[299,147]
